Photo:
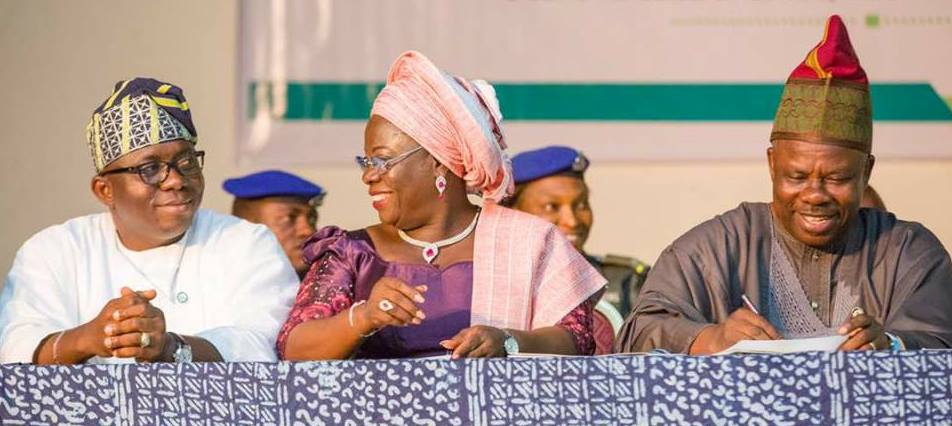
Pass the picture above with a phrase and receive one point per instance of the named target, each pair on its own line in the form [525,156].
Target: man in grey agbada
[812,262]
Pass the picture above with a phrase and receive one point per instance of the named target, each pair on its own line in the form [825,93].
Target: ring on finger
[385,305]
[857,311]
[145,340]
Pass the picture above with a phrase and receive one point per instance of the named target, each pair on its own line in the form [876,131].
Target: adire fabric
[809,388]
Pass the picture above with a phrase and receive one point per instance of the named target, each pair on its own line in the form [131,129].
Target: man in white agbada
[153,279]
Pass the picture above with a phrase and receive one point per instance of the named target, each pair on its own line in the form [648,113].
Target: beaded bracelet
[895,343]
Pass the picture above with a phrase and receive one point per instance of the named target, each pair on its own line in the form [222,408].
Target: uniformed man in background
[285,203]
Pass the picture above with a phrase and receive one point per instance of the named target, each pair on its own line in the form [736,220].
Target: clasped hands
[862,330]
[128,326]
[393,303]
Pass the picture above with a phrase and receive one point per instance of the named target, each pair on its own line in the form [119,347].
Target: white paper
[821,344]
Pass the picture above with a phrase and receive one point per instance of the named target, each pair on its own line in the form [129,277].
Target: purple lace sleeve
[578,323]
[328,287]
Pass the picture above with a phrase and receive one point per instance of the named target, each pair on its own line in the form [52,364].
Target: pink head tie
[455,120]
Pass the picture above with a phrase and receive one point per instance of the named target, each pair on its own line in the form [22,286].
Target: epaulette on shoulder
[625,262]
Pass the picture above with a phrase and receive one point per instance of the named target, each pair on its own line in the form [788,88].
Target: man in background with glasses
[153,279]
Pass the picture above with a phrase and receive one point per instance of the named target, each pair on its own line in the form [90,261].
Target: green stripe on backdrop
[611,102]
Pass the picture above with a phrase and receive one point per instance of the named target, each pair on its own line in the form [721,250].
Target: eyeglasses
[155,172]
[382,165]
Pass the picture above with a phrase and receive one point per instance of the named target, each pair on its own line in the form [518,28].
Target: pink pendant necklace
[431,250]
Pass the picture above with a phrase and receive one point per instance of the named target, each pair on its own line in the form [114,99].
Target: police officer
[285,203]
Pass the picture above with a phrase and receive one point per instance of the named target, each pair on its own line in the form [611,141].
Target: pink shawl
[526,275]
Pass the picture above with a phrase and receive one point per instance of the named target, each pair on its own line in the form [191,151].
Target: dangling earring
[440,185]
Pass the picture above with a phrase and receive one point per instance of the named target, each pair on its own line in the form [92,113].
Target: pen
[749,305]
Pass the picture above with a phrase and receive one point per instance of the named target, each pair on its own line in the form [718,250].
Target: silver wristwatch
[183,352]
[511,345]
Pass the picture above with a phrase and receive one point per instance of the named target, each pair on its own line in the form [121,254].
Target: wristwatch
[183,352]
[511,345]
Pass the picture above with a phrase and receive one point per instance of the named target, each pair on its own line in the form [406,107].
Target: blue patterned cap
[548,161]
[273,183]
[139,113]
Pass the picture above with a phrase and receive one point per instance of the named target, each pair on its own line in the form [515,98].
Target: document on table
[821,344]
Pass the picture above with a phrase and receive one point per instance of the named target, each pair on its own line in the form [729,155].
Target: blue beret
[272,183]
[548,161]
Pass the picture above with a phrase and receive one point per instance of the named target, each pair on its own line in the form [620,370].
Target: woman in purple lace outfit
[410,286]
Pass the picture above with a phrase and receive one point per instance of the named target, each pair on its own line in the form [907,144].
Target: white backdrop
[703,77]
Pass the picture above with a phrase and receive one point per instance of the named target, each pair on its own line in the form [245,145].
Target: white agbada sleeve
[37,298]
[256,296]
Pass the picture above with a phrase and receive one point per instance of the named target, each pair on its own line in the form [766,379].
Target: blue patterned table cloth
[809,388]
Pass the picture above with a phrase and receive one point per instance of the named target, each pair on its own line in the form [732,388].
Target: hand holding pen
[742,324]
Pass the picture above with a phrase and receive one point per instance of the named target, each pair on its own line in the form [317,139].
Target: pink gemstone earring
[440,185]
